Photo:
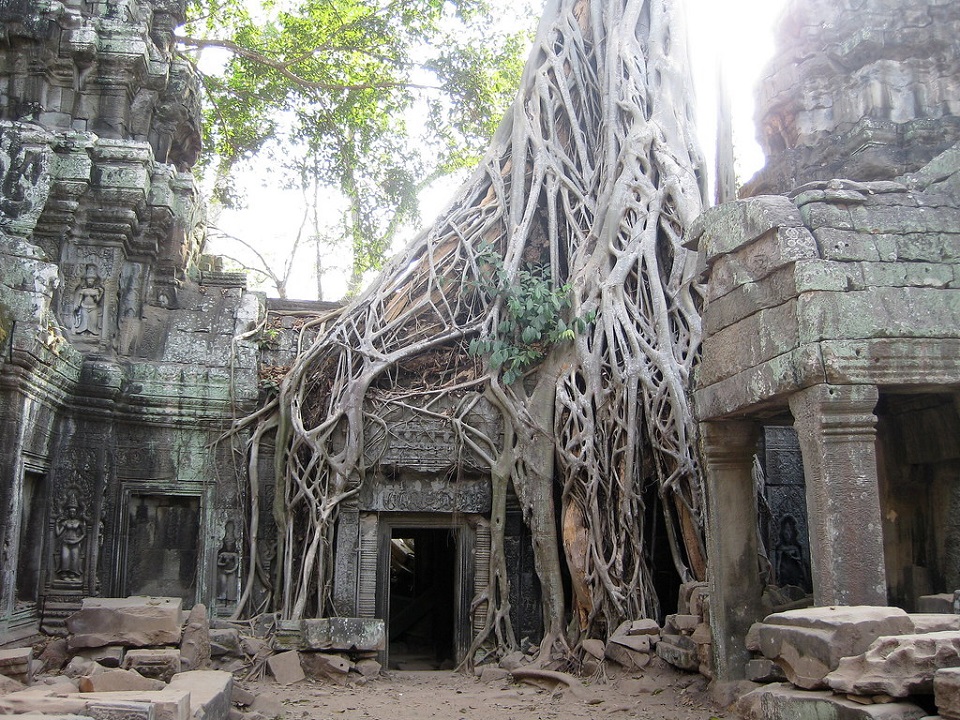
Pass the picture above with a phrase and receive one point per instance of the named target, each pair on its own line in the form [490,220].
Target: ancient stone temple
[125,353]
[833,308]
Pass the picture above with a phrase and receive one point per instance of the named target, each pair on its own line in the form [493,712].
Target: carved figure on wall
[87,300]
[71,532]
[228,564]
[789,563]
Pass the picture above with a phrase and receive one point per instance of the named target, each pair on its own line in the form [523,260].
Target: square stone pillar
[837,431]
[735,587]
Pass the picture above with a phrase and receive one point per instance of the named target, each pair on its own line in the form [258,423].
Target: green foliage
[532,320]
[369,97]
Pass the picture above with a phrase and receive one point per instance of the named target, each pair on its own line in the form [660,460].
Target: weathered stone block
[160,664]
[117,680]
[946,692]
[226,641]
[288,635]
[368,667]
[167,704]
[324,666]
[17,663]
[679,651]
[211,692]
[195,644]
[133,621]
[809,643]
[285,667]
[898,666]
[110,656]
[361,634]
[596,647]
[637,643]
[779,701]
[934,622]
[625,656]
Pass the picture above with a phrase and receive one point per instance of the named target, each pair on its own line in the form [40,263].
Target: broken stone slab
[159,663]
[145,705]
[679,651]
[134,622]
[360,634]
[226,642]
[285,667]
[241,696]
[322,666]
[81,666]
[680,624]
[117,680]
[899,666]
[596,647]
[808,643]
[625,657]
[780,701]
[17,663]
[368,667]
[637,643]
[764,670]
[211,692]
[109,656]
[946,692]
[645,626]
[195,643]
[934,622]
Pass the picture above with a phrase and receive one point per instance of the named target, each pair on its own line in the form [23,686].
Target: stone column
[735,587]
[837,431]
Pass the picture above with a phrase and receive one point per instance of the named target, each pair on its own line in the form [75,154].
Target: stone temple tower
[859,89]
[123,351]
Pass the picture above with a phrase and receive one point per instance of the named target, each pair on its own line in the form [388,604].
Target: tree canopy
[368,97]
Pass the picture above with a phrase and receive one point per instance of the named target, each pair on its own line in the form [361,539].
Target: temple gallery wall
[826,394]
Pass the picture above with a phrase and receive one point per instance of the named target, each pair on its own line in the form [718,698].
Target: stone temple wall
[122,359]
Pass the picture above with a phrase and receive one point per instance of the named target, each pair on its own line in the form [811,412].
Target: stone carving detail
[88,304]
[228,565]
[466,496]
[70,530]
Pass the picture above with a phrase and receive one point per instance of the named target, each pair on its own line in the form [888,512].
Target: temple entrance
[30,557]
[162,546]
[423,568]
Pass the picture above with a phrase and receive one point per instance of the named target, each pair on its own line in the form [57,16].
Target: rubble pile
[141,659]
[853,663]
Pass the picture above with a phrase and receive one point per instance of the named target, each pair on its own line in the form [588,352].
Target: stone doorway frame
[465,571]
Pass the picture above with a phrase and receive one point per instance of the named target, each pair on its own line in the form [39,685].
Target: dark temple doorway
[423,598]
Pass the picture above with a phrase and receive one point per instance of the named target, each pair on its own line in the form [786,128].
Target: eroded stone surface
[809,643]
[897,666]
[133,621]
[779,701]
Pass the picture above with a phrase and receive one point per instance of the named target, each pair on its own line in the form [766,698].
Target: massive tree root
[592,178]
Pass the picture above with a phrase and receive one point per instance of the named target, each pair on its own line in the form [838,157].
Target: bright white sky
[733,34]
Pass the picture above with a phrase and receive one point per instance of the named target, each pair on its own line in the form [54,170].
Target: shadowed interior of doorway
[422,598]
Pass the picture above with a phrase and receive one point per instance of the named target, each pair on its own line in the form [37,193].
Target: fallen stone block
[780,701]
[241,696]
[808,643]
[322,666]
[285,667]
[359,634]
[211,692]
[109,656]
[288,635]
[645,626]
[934,622]
[899,666]
[595,647]
[55,655]
[17,663]
[679,651]
[113,709]
[159,664]
[681,624]
[195,642]
[625,657]
[134,622]
[637,643]
[764,670]
[946,692]
[117,680]
[702,634]
[9,685]
[167,704]
[368,667]
[226,642]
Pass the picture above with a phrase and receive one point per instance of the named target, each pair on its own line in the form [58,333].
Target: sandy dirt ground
[656,693]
